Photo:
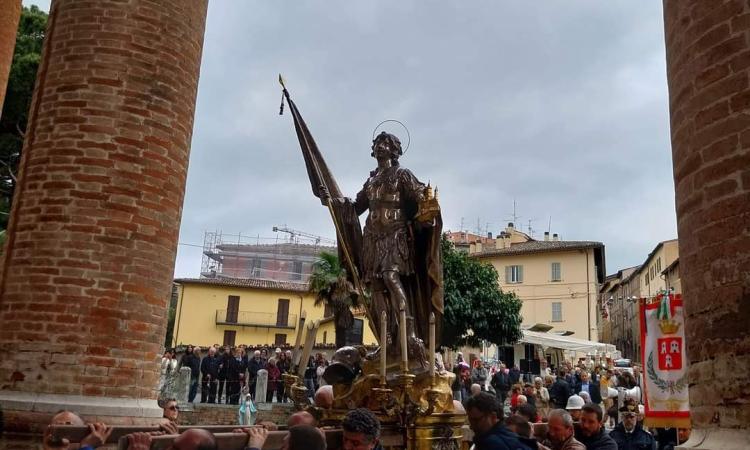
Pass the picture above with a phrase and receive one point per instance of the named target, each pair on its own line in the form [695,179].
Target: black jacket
[500,382]
[600,441]
[499,438]
[234,368]
[192,361]
[639,439]
[559,393]
[210,366]
[254,366]
[514,375]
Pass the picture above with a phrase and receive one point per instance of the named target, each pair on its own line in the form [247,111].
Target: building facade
[237,256]
[557,281]
[252,312]
[621,297]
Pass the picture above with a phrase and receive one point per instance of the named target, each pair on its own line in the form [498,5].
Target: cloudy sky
[560,106]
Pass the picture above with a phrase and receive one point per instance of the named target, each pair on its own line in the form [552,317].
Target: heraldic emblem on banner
[663,344]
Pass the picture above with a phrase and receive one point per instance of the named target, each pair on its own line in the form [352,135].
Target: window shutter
[520,274]
[507,274]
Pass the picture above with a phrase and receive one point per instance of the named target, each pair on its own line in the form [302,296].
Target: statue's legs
[396,293]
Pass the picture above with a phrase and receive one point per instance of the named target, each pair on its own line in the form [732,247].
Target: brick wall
[708,58]
[93,232]
[203,414]
[10,13]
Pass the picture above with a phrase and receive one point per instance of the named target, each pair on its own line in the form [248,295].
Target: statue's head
[387,143]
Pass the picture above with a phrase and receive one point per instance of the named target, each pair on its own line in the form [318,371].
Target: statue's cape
[427,288]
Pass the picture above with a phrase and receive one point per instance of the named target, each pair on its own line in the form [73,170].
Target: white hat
[574,402]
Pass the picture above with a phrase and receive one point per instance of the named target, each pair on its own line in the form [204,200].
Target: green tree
[476,309]
[331,287]
[26,57]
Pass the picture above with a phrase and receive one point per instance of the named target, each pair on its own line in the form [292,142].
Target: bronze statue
[397,258]
[401,239]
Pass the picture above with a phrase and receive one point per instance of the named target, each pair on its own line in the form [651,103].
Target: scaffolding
[281,258]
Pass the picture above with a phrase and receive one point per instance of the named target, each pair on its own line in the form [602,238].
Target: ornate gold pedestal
[436,432]
[415,411]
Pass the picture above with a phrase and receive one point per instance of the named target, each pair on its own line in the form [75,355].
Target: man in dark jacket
[210,373]
[560,391]
[190,359]
[629,434]
[590,431]
[224,355]
[489,432]
[236,367]
[592,387]
[501,384]
[514,374]
[253,366]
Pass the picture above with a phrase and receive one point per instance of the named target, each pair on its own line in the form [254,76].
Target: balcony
[255,319]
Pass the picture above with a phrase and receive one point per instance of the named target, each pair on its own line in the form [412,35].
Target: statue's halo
[408,136]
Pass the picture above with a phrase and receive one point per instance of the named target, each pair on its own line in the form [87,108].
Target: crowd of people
[576,403]
[570,408]
[360,430]
[224,373]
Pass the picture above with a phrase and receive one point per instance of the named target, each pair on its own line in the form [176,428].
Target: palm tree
[331,288]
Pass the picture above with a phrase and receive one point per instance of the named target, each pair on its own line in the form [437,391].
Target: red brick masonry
[93,235]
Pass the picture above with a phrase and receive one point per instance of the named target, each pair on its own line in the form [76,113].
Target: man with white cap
[575,403]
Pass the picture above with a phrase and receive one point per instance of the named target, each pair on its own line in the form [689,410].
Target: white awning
[549,340]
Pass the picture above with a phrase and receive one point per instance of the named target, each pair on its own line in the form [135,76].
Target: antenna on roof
[549,225]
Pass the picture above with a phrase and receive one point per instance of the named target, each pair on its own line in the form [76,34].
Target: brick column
[708,66]
[89,259]
[10,13]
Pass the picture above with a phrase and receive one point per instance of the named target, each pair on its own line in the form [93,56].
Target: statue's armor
[392,196]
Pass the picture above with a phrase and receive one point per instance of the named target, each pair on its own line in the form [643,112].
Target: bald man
[324,397]
[301,418]
[98,432]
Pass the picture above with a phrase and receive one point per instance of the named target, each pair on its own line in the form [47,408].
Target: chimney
[478,246]
[555,238]
[472,248]
[506,240]
[499,241]
[509,228]
[546,235]
[489,235]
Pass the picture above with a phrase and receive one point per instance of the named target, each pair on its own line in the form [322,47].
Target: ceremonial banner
[665,363]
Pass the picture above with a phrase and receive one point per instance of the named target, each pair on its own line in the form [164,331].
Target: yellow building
[557,281]
[234,311]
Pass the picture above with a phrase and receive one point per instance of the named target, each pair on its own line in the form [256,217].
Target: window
[279,340]
[556,273]
[325,338]
[514,274]
[646,280]
[658,265]
[327,311]
[233,308]
[229,336]
[282,313]
[296,270]
[557,311]
[354,333]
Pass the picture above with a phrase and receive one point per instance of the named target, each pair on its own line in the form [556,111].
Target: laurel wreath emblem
[665,385]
